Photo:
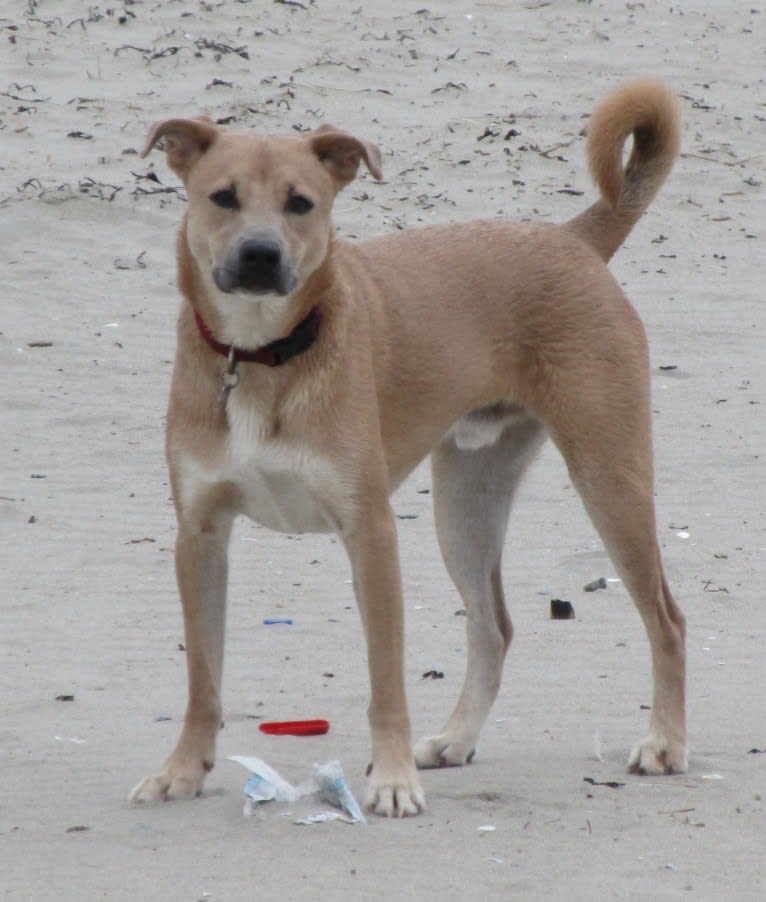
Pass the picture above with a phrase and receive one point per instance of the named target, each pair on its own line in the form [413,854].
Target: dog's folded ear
[185,141]
[342,153]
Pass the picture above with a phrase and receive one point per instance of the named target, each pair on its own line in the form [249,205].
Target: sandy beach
[479,110]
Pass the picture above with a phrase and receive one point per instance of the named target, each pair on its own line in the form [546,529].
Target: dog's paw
[657,755]
[395,794]
[173,782]
[440,751]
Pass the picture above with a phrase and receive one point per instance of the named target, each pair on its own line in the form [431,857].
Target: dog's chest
[280,493]
[280,485]
[283,486]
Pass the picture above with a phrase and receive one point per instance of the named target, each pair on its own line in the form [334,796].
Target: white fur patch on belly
[483,427]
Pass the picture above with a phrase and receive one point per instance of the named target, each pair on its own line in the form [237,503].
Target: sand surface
[478,108]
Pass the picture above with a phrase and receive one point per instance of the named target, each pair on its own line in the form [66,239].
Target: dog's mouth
[256,268]
[235,282]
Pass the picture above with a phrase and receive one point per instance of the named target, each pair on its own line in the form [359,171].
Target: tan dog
[470,342]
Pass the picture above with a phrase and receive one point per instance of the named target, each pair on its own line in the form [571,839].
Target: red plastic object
[295,727]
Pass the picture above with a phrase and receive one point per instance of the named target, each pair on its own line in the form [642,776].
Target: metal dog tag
[229,380]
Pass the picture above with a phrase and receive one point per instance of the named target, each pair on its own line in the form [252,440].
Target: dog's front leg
[201,569]
[394,788]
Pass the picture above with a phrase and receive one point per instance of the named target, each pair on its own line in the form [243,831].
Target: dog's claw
[161,788]
[657,755]
[399,801]
[172,783]
[439,751]
[401,797]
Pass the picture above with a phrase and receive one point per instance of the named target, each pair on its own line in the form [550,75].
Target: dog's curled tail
[649,111]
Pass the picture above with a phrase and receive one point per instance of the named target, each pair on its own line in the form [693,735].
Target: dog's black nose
[260,265]
[260,254]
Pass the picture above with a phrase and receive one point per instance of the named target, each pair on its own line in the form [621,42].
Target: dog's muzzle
[256,266]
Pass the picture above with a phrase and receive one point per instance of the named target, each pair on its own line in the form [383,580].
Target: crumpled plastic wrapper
[327,781]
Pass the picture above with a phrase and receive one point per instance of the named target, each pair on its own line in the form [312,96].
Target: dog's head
[258,221]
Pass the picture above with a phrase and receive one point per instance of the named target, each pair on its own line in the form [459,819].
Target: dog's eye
[226,198]
[297,203]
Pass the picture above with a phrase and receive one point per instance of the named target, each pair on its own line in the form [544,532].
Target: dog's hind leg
[473,492]
[622,510]
[602,428]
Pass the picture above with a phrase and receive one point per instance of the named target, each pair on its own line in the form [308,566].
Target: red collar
[274,354]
